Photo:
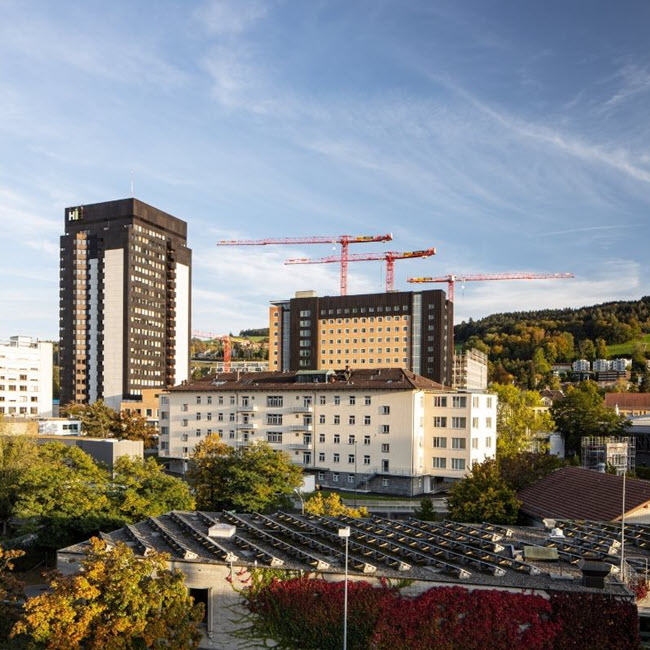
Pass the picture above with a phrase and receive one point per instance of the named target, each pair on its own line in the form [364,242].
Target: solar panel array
[636,534]
[293,551]
[247,545]
[207,542]
[173,540]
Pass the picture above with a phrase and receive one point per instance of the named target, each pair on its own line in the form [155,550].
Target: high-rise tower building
[125,300]
[398,329]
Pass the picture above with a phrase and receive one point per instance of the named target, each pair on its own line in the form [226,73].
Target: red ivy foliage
[308,613]
[595,621]
[446,618]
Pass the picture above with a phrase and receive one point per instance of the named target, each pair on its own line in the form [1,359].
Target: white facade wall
[113,378]
[601,365]
[349,431]
[25,377]
[182,324]
[461,430]
[581,365]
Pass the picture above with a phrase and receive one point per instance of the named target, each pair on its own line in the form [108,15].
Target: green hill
[525,344]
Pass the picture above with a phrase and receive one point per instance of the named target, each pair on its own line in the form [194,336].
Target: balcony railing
[247,425]
[300,427]
[302,409]
[247,408]
[300,445]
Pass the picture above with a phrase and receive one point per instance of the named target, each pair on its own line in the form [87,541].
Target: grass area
[257,339]
[363,496]
[628,347]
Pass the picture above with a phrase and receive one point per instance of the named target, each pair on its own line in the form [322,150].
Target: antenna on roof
[132,186]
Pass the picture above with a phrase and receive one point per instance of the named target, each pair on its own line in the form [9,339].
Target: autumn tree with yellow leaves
[117,601]
[332,506]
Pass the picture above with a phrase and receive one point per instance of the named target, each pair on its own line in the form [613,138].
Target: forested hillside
[527,343]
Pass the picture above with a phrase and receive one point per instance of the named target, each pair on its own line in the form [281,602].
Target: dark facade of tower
[125,301]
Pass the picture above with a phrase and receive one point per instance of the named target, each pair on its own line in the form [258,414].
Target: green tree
[541,365]
[520,417]
[426,511]
[97,419]
[64,495]
[582,412]
[134,426]
[249,479]
[644,386]
[601,349]
[118,601]
[483,496]
[11,592]
[17,455]
[331,506]
[141,489]
[587,350]
[524,469]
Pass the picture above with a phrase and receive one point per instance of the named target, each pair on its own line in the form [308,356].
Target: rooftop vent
[222,530]
[594,573]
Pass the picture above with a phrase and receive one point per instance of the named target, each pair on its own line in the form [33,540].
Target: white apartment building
[385,430]
[25,377]
[581,365]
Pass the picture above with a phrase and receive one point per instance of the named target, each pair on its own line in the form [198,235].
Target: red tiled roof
[628,400]
[382,378]
[576,493]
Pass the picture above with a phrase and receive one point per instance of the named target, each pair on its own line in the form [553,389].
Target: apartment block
[125,302]
[470,370]
[580,365]
[398,329]
[383,430]
[25,377]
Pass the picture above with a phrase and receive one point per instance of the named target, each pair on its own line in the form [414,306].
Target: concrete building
[601,365]
[383,430]
[125,290]
[399,329]
[25,377]
[103,450]
[470,370]
[214,551]
[59,427]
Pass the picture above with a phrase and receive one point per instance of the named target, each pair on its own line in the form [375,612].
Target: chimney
[594,573]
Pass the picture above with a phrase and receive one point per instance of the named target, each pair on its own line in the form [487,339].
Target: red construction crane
[343,240]
[388,256]
[452,278]
[225,340]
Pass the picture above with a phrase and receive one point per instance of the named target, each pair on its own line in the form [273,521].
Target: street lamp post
[345,533]
[302,501]
[356,477]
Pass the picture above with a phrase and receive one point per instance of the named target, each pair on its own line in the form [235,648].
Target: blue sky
[510,135]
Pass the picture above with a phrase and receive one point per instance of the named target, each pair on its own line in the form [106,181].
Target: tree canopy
[142,489]
[100,421]
[63,495]
[331,506]
[483,496]
[582,412]
[525,344]
[117,601]
[519,419]
[248,479]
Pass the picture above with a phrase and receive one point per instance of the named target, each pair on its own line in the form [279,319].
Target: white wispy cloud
[231,16]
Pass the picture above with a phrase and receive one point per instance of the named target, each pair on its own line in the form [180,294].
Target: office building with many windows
[399,329]
[25,377]
[125,300]
[382,430]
